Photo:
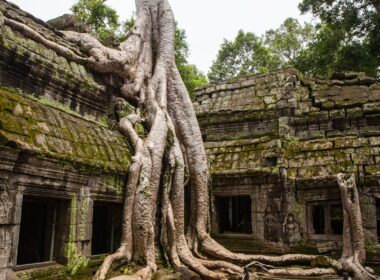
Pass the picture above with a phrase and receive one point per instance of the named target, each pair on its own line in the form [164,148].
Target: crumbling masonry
[275,143]
[278,140]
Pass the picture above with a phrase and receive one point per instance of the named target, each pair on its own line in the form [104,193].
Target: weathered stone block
[326,247]
[350,142]
[282,104]
[354,112]
[4,258]
[269,100]
[372,169]
[315,145]
[371,108]
[328,105]
[312,172]
[374,95]
[248,83]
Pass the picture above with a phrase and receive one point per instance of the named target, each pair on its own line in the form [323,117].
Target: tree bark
[353,255]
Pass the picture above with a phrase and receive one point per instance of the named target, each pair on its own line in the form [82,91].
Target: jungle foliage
[250,54]
[346,38]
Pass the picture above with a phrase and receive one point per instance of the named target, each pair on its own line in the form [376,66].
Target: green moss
[170,138]
[305,248]
[241,136]
[321,261]
[45,274]
[298,208]
[127,269]
[49,129]
[104,121]
[75,260]
[83,217]
[225,117]
[370,247]
[139,128]
[124,109]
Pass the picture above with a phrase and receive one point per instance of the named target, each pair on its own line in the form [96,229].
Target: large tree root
[302,272]
[172,156]
[353,255]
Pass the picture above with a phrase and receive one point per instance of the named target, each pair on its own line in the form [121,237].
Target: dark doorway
[336,219]
[106,228]
[318,213]
[36,239]
[325,219]
[234,214]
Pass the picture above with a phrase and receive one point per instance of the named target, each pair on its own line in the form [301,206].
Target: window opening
[336,219]
[326,218]
[37,231]
[106,228]
[318,219]
[234,214]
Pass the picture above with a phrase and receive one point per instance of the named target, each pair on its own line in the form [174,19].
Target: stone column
[10,218]
[77,245]
[85,221]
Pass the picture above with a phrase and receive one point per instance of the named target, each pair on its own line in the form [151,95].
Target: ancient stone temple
[275,143]
[62,166]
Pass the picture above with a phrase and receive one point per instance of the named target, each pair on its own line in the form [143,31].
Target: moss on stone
[305,248]
[75,260]
[320,261]
[41,127]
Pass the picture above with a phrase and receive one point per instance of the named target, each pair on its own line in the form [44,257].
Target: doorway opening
[37,231]
[325,219]
[234,214]
[318,213]
[106,228]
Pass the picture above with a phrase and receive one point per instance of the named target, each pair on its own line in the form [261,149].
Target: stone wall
[281,138]
[41,72]
[58,147]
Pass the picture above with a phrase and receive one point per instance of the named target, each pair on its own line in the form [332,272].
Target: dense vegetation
[248,53]
[345,39]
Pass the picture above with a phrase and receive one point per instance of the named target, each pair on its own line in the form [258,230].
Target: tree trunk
[353,255]
[171,155]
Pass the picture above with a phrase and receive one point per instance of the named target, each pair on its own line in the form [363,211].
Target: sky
[207,22]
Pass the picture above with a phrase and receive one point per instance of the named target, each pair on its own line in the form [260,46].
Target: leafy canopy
[246,54]
[286,42]
[250,54]
[348,37]
[102,19]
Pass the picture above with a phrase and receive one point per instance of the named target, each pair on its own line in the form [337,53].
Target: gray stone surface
[281,138]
